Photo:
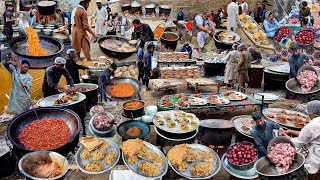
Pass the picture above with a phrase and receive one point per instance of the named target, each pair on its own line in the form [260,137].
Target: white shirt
[232,11]
[101,14]
[310,137]
[245,7]
[73,13]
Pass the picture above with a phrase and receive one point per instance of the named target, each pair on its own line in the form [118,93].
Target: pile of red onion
[307,79]
[103,122]
[241,153]
[282,155]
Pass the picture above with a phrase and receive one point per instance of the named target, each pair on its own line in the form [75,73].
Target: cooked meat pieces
[270,115]
[282,121]
[307,80]
[167,117]
[166,103]
[110,157]
[184,98]
[132,159]
[177,96]
[98,154]
[184,127]
[148,168]
[171,125]
[160,122]
[144,153]
[193,156]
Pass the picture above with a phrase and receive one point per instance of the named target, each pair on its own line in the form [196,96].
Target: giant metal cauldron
[18,46]
[20,121]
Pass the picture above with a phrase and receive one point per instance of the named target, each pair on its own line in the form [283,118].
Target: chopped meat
[282,155]
[307,80]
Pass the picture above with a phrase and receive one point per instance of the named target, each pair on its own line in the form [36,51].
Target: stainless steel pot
[216,132]
[48,32]
[268,171]
[133,112]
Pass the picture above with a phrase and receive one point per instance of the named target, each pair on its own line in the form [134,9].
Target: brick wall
[193,7]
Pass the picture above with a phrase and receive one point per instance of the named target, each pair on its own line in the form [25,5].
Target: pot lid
[280,69]
[48,101]
[135,4]
[125,5]
[150,6]
[267,96]
[216,123]
[46,3]
[165,6]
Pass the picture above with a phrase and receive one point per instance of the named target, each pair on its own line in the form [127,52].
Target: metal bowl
[27,160]
[107,133]
[267,170]
[123,127]
[118,80]
[17,123]
[112,53]
[244,166]
[294,86]
[277,140]
[133,112]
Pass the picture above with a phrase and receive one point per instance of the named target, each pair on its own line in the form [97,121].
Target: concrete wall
[193,7]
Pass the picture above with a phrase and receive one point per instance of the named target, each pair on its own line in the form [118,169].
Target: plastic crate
[294,26]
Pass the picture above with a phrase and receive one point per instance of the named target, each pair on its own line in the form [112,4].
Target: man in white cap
[101,16]
[123,24]
[52,77]
[232,11]
[72,66]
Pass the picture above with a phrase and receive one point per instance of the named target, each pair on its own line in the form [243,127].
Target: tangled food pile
[282,155]
[182,156]
[135,150]
[116,45]
[33,45]
[307,80]
[133,104]
[45,169]
[242,153]
[44,134]
[103,122]
[122,90]
[95,152]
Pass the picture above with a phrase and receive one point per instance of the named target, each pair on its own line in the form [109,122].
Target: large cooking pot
[91,94]
[268,171]
[164,9]
[170,40]
[112,53]
[216,132]
[137,112]
[18,46]
[220,44]
[126,7]
[78,106]
[168,139]
[21,120]
[46,7]
[118,80]
[150,8]
[294,86]
[29,159]
[7,159]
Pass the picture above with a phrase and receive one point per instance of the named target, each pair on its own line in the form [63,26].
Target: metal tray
[237,94]
[198,147]
[48,101]
[162,169]
[218,98]
[173,115]
[245,174]
[81,162]
[237,123]
[289,123]
[267,97]
[196,100]
[280,69]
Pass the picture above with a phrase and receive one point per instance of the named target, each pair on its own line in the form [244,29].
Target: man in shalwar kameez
[21,85]
[232,11]
[101,17]
[80,38]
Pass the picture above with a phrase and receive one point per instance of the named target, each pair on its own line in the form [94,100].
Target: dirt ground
[150,97]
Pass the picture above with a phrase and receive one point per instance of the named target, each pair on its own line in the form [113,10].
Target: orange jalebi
[122,90]
[33,45]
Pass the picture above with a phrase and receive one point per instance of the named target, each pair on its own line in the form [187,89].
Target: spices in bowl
[133,131]
[133,105]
